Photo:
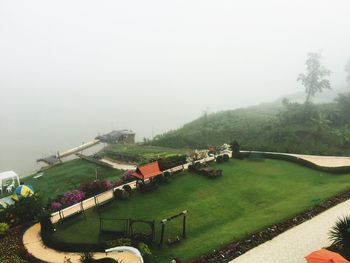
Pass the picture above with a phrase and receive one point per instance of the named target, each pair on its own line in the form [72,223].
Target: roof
[8,174]
[147,171]
[114,135]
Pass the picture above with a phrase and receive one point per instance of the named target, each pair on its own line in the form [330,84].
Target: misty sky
[72,69]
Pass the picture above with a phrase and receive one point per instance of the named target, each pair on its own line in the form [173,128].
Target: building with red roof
[147,171]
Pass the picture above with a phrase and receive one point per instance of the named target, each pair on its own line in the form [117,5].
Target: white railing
[105,196]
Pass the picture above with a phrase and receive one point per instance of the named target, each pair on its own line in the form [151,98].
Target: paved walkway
[120,166]
[33,243]
[326,161]
[294,244]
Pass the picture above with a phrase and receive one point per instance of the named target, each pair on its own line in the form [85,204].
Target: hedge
[50,241]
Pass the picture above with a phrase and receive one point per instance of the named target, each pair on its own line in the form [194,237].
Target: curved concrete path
[119,166]
[34,245]
[326,161]
[294,244]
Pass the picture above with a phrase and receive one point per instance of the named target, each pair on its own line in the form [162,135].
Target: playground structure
[127,227]
[130,228]
[175,239]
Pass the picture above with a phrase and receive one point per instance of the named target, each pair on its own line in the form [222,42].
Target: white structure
[8,179]
[132,250]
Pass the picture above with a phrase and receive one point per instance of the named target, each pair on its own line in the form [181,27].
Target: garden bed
[12,248]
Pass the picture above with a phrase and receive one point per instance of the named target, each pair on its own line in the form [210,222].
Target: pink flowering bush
[95,187]
[55,206]
[72,197]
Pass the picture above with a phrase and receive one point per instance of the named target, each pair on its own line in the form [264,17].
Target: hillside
[287,127]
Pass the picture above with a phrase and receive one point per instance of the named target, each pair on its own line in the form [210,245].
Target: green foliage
[23,211]
[340,234]
[321,129]
[235,147]
[144,250]
[219,159]
[121,194]
[4,227]
[225,158]
[68,176]
[246,199]
[137,153]
[347,69]
[127,188]
[315,79]
[118,242]
[87,257]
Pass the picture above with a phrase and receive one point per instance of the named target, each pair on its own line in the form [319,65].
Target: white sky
[71,69]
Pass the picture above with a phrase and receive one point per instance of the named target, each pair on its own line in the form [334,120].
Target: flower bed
[12,249]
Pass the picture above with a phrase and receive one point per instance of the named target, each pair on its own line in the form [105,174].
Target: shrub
[167,174]
[4,228]
[340,234]
[72,197]
[225,157]
[55,206]
[235,147]
[127,188]
[121,194]
[45,222]
[107,260]
[95,187]
[159,179]
[118,242]
[87,257]
[219,159]
[171,161]
[144,250]
[23,211]
[191,168]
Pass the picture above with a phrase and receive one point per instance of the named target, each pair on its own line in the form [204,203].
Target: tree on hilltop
[315,79]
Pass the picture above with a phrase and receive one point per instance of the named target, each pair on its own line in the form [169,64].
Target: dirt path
[33,243]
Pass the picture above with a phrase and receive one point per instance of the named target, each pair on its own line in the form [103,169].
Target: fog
[72,69]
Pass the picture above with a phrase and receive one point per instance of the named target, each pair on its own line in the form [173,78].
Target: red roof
[147,171]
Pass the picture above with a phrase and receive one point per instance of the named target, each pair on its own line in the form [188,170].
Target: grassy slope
[244,125]
[250,195]
[144,151]
[67,176]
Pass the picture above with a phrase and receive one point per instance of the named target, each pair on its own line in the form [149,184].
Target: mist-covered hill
[322,128]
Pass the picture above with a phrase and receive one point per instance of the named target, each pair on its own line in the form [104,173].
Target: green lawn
[68,176]
[249,196]
[142,153]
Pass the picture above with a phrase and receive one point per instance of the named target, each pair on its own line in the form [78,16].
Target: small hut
[145,175]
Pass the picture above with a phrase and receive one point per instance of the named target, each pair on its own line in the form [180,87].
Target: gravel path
[294,244]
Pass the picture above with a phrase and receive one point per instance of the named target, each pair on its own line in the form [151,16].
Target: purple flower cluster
[72,197]
[68,199]
[55,206]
